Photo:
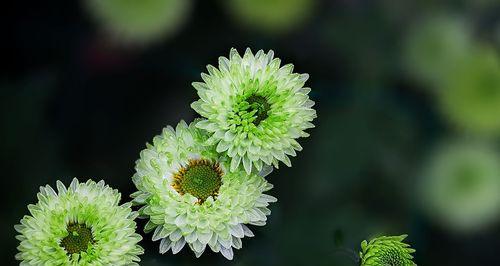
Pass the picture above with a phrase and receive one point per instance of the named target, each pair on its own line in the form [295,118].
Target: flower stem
[351,254]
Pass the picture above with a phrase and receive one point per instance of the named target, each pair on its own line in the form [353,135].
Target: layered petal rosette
[79,225]
[191,198]
[386,251]
[255,109]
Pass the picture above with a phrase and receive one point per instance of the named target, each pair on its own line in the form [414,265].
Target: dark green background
[72,107]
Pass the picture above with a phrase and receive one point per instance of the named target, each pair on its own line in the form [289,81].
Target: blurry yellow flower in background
[133,21]
[270,16]
[460,186]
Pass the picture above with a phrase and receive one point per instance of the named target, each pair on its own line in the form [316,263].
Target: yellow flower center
[201,178]
[78,239]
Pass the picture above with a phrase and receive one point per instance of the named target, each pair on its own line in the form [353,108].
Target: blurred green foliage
[391,79]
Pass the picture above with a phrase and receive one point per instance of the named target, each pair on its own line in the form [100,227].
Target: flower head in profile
[191,198]
[255,109]
[79,225]
[386,251]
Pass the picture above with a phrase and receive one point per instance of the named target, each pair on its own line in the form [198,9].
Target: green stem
[351,254]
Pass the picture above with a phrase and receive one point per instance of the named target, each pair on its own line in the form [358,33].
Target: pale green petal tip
[92,208]
[386,250]
[177,217]
[255,110]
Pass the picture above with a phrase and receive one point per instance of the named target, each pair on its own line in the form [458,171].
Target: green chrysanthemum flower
[190,197]
[140,21]
[254,109]
[386,251]
[79,225]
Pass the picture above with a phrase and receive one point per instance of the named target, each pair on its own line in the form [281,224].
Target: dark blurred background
[85,84]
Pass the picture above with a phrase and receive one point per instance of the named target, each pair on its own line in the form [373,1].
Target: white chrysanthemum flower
[254,109]
[79,225]
[190,197]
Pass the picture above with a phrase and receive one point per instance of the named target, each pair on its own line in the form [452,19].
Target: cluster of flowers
[200,184]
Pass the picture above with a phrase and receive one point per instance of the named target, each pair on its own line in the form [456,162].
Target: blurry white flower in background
[270,16]
[139,21]
[434,45]
[460,186]
[462,73]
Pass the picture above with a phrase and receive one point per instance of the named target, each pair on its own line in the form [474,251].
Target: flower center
[201,178]
[259,107]
[392,257]
[78,239]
